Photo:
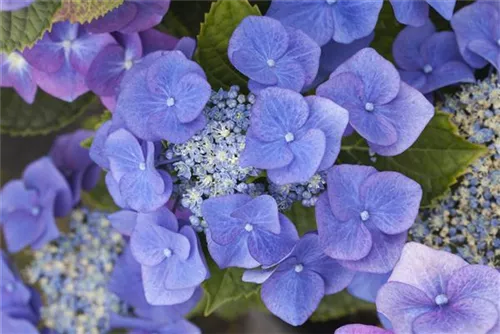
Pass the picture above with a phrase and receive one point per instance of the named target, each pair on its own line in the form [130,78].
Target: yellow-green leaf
[23,27]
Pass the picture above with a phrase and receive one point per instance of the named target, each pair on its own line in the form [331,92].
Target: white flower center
[170,101]
[248,227]
[441,299]
[364,215]
[142,166]
[428,69]
[369,106]
[167,252]
[289,137]
[128,64]
[67,44]
[271,62]
[35,211]
[16,61]
[299,268]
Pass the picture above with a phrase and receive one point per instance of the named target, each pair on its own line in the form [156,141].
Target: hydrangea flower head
[429,60]
[416,12]
[292,290]
[361,329]
[63,57]
[388,113]
[72,274]
[132,16]
[133,180]
[434,291]
[164,97]
[75,163]
[291,136]
[246,232]
[271,54]
[28,206]
[323,20]
[171,260]
[364,216]
[11,5]
[17,73]
[478,33]
[126,283]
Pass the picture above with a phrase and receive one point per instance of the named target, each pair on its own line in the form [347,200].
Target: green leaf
[340,305]
[303,217]
[234,309]
[225,286]
[184,17]
[215,32]
[83,11]
[386,30]
[46,114]
[23,27]
[436,160]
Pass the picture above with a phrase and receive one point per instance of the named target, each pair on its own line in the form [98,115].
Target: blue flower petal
[235,254]
[413,13]
[267,155]
[149,243]
[343,240]
[354,19]
[269,248]
[308,153]
[332,120]
[392,201]
[261,212]
[293,296]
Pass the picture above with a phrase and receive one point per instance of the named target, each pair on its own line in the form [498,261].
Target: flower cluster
[207,165]
[467,221]
[182,157]
[72,273]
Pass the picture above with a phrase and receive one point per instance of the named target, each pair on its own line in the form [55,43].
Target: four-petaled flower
[172,263]
[364,216]
[388,113]
[291,136]
[323,20]
[271,54]
[478,33]
[429,60]
[17,73]
[163,97]
[245,232]
[292,290]
[131,16]
[62,58]
[74,162]
[416,12]
[126,283]
[133,180]
[434,291]
[29,205]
